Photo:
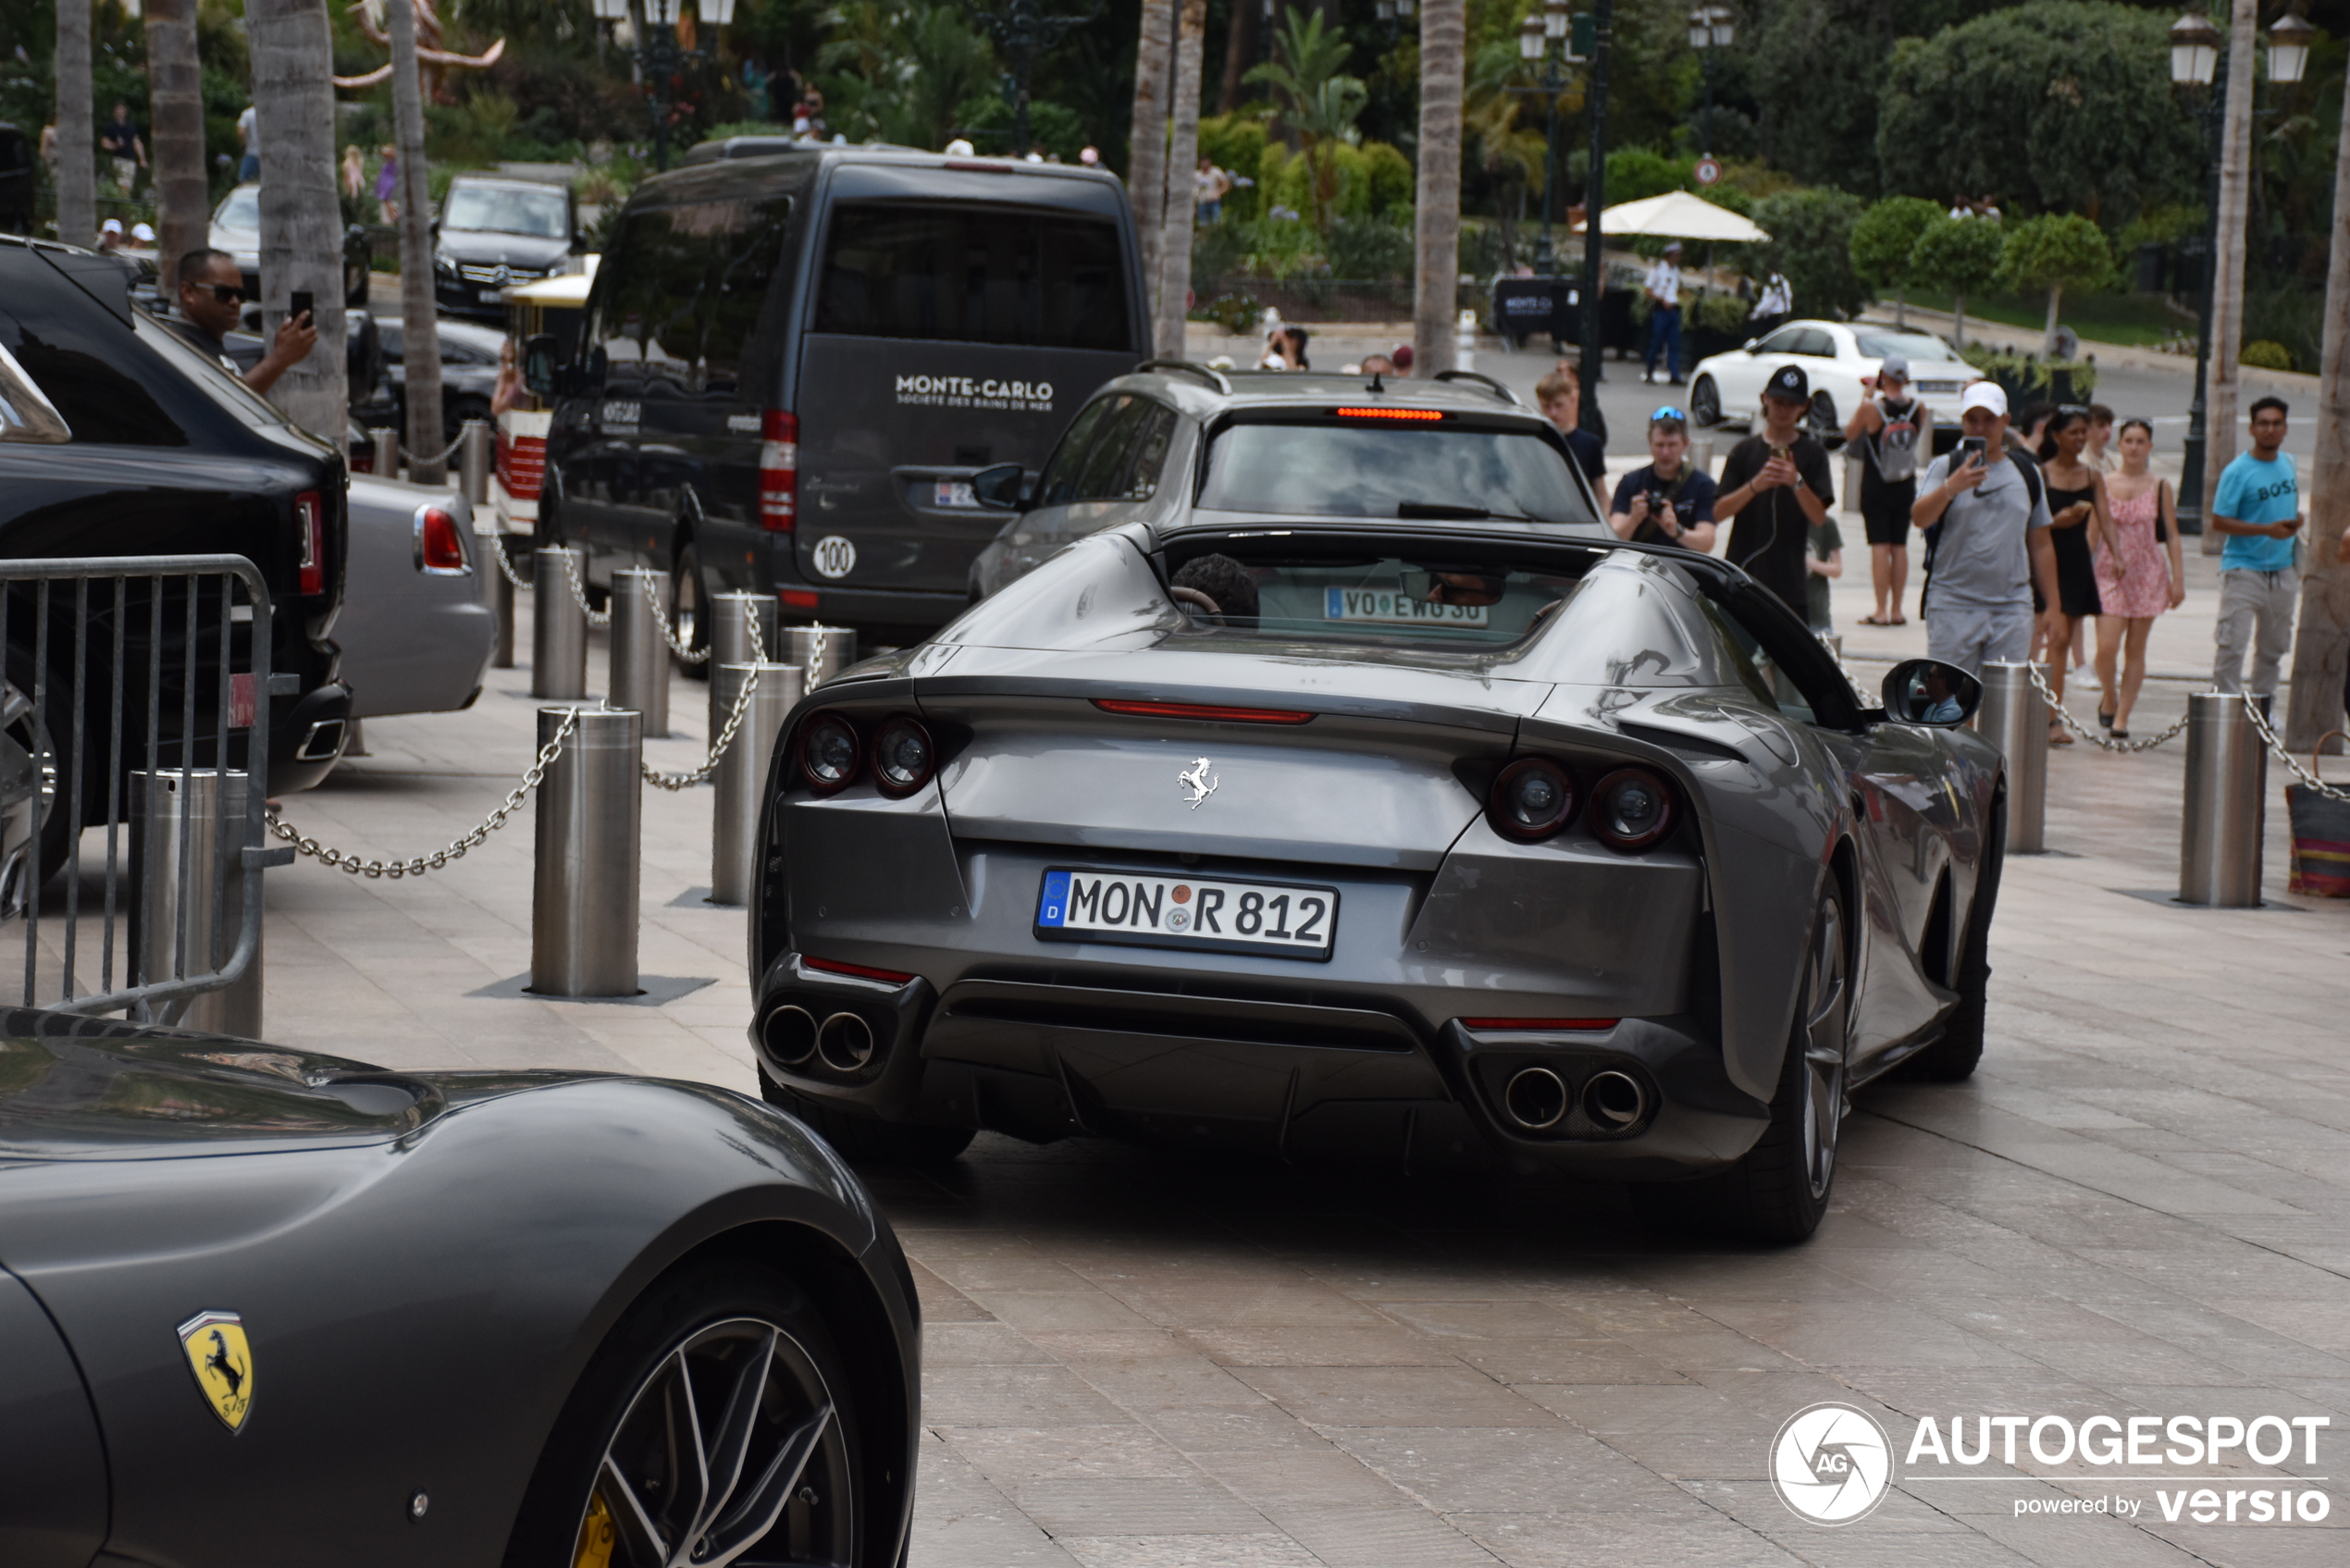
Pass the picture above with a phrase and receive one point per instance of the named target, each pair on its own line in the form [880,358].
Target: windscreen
[1396,598]
[1909,345]
[973,274]
[539,214]
[242,209]
[1435,470]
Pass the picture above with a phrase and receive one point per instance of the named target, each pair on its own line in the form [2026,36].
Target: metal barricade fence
[136,700]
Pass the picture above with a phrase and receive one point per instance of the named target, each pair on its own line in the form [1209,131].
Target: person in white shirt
[1662,286]
[249,138]
[1775,305]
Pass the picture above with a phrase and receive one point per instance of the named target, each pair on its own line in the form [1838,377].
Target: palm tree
[1514,154]
[300,219]
[419,321]
[1175,226]
[77,136]
[1321,102]
[176,106]
[912,66]
[1146,150]
[1437,223]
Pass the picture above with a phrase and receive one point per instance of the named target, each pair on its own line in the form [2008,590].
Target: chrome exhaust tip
[1536,1098]
[846,1042]
[1614,1101]
[789,1034]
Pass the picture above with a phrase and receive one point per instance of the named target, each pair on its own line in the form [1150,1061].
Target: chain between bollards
[717,747]
[579,591]
[2064,716]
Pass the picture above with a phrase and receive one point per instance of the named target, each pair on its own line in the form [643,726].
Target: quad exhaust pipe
[1537,1099]
[846,1042]
[789,1034]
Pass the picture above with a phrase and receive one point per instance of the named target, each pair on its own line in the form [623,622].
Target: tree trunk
[175,97]
[2321,644]
[1240,53]
[2048,333]
[2227,266]
[1437,223]
[1182,153]
[419,331]
[77,136]
[301,220]
[1146,152]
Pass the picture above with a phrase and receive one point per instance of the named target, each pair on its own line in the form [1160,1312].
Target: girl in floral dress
[2149,577]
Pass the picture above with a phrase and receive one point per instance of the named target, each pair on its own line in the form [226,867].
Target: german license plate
[1937,386]
[953,492]
[1278,920]
[1390,607]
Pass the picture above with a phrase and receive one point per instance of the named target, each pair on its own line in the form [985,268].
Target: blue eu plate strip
[1055,902]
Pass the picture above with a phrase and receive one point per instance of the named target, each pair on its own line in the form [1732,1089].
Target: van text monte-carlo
[796,358]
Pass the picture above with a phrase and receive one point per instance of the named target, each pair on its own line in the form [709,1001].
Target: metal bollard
[639,657]
[2014,719]
[558,627]
[386,465]
[822,651]
[175,814]
[731,616]
[741,779]
[498,591]
[1852,465]
[1701,454]
[582,902]
[472,461]
[2226,804]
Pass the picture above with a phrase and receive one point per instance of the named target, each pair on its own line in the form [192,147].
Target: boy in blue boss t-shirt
[2257,507]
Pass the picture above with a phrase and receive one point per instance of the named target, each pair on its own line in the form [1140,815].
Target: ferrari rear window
[1342,469]
[1370,599]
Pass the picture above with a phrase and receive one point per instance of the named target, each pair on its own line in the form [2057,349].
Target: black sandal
[2121,735]
[2105,720]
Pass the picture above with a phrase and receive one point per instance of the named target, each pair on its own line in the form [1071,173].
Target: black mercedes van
[797,356]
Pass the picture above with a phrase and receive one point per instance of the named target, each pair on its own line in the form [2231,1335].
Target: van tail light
[309,521]
[438,546]
[778,470]
[798,598]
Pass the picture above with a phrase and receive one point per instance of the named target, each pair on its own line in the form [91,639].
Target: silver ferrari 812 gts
[1448,843]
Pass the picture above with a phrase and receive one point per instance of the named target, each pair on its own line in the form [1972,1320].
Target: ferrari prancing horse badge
[222,1362]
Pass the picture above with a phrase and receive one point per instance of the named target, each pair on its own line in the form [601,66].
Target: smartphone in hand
[299,305]
[1970,450]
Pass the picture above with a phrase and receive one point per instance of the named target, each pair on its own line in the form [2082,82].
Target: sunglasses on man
[227,293]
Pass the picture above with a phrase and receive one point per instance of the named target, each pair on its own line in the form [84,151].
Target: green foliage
[1391,182]
[1634,174]
[901,70]
[1369,249]
[1319,102]
[2064,105]
[1720,313]
[1236,143]
[1885,239]
[1812,243]
[1959,254]
[1056,126]
[2052,253]
[2265,355]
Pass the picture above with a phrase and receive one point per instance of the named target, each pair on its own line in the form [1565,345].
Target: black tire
[1952,1058]
[706,1321]
[1705,402]
[1779,1192]
[46,738]
[866,1138]
[689,607]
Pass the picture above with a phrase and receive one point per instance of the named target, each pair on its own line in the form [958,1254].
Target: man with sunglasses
[1669,501]
[212,293]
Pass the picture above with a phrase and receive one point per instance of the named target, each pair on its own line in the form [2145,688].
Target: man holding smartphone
[1993,545]
[1776,486]
[2257,507]
[212,294]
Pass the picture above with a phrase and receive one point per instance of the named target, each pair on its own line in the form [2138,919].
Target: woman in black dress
[1895,434]
[2076,507]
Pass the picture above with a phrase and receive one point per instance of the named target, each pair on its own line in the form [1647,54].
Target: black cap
[1789,381]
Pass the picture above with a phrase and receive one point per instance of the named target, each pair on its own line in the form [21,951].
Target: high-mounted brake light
[310,522]
[778,470]
[1204,711]
[862,971]
[1571,1026]
[1414,415]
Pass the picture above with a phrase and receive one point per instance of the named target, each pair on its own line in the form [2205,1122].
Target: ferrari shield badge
[222,1362]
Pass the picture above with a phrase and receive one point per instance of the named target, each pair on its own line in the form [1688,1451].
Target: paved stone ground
[2137,1207]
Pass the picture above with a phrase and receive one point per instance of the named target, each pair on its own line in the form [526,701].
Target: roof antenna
[1375,386]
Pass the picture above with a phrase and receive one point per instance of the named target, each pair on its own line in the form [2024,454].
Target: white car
[1834,356]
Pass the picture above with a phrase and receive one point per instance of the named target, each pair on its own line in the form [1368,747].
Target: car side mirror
[1927,691]
[578,243]
[26,412]
[538,364]
[1753,345]
[1000,487]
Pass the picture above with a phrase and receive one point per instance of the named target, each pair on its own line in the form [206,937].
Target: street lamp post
[1711,29]
[1022,32]
[1536,35]
[2196,53]
[1594,200]
[660,57]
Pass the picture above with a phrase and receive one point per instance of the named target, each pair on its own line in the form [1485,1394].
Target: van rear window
[974,275]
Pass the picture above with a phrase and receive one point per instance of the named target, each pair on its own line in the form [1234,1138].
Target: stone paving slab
[2138,1207]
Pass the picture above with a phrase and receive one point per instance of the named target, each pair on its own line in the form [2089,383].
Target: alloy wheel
[730,1448]
[1820,417]
[1705,401]
[1826,1039]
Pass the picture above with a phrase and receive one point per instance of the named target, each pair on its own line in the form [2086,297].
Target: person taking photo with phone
[212,293]
[1669,501]
[1994,546]
[1776,486]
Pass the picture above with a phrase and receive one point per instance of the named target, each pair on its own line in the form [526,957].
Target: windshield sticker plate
[1390,607]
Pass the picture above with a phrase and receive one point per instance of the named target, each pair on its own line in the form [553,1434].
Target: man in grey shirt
[1994,543]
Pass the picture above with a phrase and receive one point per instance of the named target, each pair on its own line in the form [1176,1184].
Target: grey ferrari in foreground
[1452,844]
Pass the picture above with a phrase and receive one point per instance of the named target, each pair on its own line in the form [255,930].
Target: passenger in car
[1218,584]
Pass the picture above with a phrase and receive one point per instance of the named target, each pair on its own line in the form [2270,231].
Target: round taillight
[1631,809]
[828,753]
[1532,798]
[902,757]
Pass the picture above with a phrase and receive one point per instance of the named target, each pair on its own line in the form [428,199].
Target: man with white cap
[110,235]
[1994,542]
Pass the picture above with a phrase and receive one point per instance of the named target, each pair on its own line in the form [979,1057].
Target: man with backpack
[1994,545]
[1889,431]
